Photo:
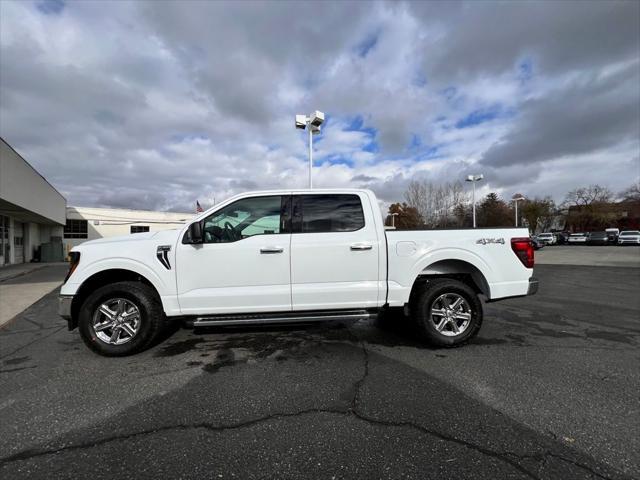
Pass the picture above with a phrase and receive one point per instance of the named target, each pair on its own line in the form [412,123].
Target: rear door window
[327,213]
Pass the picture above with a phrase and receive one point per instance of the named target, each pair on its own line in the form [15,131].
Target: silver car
[577,239]
[547,238]
[629,237]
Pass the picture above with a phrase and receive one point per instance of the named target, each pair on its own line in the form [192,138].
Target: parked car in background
[547,238]
[537,244]
[629,237]
[598,238]
[577,239]
[562,238]
[612,234]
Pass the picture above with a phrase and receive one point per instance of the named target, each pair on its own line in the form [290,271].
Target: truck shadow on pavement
[297,401]
[291,403]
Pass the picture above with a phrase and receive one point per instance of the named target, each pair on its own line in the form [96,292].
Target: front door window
[244,218]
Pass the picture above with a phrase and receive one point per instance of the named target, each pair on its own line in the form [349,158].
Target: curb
[25,272]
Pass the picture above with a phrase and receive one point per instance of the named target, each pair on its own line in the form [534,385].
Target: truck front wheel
[448,313]
[121,319]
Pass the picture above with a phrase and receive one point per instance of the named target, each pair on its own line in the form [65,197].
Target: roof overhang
[23,215]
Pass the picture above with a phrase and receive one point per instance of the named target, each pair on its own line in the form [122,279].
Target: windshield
[545,235]
[599,234]
[629,232]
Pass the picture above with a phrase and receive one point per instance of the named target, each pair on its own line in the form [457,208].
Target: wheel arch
[457,269]
[100,279]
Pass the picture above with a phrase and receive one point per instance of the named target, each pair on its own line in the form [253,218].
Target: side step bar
[281,317]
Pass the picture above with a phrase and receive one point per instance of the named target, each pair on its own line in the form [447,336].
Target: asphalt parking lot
[549,389]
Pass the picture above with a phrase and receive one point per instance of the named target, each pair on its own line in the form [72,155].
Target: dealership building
[37,225]
[85,223]
[32,212]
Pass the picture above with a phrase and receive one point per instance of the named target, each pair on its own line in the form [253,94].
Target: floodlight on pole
[312,124]
[473,179]
[517,198]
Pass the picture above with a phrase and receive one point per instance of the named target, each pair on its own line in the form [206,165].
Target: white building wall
[112,222]
[35,209]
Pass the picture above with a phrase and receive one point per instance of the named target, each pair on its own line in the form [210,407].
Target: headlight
[74,260]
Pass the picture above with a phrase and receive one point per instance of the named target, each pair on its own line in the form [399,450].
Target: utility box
[51,252]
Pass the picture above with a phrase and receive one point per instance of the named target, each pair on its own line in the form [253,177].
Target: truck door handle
[267,250]
[361,246]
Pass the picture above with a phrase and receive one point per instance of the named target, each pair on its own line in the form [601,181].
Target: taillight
[74,260]
[523,248]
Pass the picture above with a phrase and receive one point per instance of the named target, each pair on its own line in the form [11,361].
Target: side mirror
[195,232]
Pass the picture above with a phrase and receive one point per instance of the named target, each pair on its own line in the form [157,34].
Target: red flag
[198,207]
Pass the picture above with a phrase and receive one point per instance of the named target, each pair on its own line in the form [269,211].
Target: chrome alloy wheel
[116,321]
[451,314]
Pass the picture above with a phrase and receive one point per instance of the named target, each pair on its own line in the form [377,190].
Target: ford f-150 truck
[290,256]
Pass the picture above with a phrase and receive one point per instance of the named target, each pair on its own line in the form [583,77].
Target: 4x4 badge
[484,241]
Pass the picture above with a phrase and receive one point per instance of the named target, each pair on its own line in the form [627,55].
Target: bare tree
[588,195]
[588,208]
[632,193]
[539,213]
[417,197]
[439,205]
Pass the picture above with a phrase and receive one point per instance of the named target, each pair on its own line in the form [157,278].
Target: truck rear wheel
[121,319]
[447,312]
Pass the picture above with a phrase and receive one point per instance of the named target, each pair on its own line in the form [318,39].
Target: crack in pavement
[32,342]
[358,385]
[352,411]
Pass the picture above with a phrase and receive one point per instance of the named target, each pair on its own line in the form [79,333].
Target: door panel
[234,277]
[334,269]
[244,266]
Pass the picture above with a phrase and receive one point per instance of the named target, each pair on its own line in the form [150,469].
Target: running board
[282,317]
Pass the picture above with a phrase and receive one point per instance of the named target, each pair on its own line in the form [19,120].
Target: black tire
[152,319]
[422,305]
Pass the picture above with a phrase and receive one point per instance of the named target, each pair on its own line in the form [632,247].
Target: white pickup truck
[290,256]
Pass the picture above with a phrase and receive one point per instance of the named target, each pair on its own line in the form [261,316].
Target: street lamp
[516,198]
[312,124]
[473,179]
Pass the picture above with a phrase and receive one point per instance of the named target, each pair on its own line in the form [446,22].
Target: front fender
[117,263]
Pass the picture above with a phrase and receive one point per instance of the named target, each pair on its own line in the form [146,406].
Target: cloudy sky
[156,104]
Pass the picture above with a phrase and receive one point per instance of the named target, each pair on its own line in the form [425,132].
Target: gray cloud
[474,39]
[157,104]
[581,116]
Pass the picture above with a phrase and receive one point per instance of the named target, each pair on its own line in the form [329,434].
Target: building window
[75,229]
[139,228]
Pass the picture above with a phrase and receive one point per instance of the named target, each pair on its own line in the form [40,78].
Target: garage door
[18,242]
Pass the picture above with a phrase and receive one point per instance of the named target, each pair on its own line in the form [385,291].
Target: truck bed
[483,253]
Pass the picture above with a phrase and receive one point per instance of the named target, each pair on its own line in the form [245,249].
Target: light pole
[473,179]
[312,124]
[393,219]
[516,198]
